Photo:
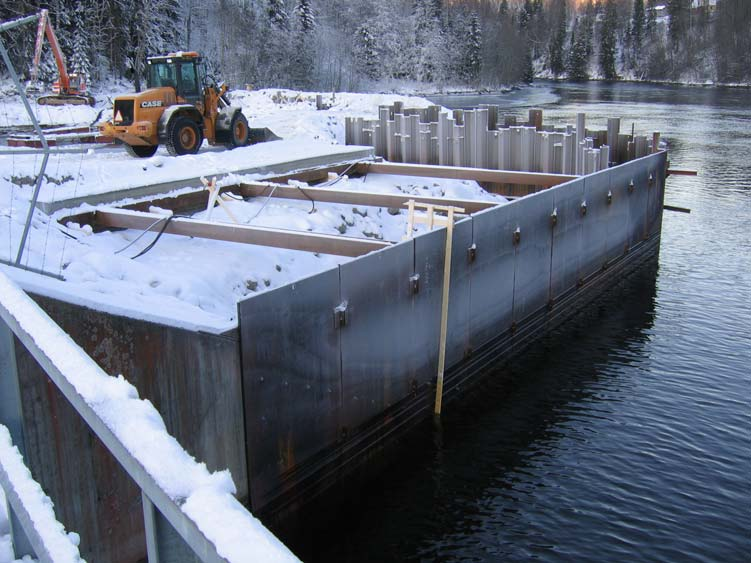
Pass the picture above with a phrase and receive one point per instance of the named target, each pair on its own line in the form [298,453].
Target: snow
[62,546]
[137,425]
[196,283]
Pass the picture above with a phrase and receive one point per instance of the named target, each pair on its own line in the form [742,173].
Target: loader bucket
[261,135]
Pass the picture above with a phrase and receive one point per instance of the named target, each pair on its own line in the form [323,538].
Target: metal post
[558,158]
[442,134]
[504,149]
[414,139]
[391,141]
[163,544]
[458,145]
[604,157]
[481,138]
[493,141]
[383,118]
[656,141]
[424,147]
[11,416]
[470,136]
[45,148]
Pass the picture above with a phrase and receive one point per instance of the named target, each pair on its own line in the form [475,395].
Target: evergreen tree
[733,40]
[608,41]
[503,8]
[638,22]
[679,12]
[366,52]
[528,70]
[474,49]
[525,14]
[558,41]
[304,13]
[578,59]
[302,69]
[79,59]
[276,14]
[651,17]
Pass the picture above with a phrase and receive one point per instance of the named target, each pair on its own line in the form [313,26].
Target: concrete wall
[319,393]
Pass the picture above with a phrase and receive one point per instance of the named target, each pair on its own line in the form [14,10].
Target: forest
[335,45]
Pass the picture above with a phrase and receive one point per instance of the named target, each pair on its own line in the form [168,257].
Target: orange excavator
[69,88]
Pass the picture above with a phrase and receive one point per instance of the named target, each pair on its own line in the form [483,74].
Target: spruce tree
[302,57]
[578,59]
[474,49]
[305,17]
[528,70]
[276,14]
[651,17]
[503,8]
[679,12]
[366,52]
[557,42]
[79,59]
[608,41]
[638,23]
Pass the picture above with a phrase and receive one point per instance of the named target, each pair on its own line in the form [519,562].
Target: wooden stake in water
[432,220]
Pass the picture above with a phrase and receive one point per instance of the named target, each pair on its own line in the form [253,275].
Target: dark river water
[627,435]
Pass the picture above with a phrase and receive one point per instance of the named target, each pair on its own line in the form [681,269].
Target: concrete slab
[283,160]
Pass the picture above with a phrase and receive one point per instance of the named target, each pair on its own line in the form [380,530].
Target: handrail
[31,506]
[199,506]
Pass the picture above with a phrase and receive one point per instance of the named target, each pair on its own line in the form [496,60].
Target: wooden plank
[330,195]
[462,173]
[276,238]
[675,172]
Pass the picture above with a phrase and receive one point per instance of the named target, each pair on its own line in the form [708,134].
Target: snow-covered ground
[197,282]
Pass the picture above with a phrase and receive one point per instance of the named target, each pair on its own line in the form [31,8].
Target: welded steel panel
[379,352]
[606,212]
[657,168]
[634,178]
[492,291]
[291,378]
[532,272]
[430,250]
[571,211]
[192,378]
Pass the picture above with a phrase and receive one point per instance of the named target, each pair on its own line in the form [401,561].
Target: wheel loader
[181,106]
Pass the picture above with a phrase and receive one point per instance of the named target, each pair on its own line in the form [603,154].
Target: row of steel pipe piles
[484,138]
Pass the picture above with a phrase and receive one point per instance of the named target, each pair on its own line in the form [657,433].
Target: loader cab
[181,71]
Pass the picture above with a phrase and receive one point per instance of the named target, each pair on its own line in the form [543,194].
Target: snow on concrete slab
[74,179]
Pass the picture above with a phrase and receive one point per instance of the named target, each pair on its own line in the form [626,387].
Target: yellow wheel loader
[182,106]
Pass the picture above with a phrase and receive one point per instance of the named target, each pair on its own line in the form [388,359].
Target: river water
[627,435]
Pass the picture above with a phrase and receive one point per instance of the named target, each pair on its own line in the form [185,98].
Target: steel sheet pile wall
[479,138]
[335,363]
[193,379]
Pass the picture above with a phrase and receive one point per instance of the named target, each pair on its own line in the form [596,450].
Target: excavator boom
[65,93]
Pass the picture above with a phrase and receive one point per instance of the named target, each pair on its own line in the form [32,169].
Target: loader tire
[141,151]
[183,137]
[238,131]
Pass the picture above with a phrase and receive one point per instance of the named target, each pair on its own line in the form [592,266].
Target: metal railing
[176,530]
